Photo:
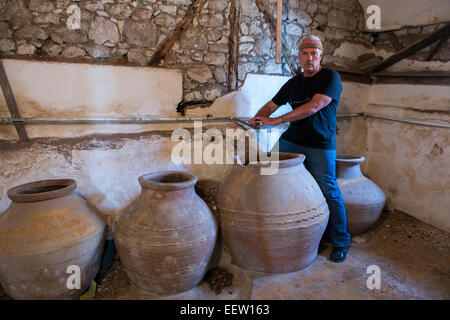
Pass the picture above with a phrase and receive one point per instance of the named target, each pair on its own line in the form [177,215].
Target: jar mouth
[350,158]
[282,159]
[168,180]
[42,190]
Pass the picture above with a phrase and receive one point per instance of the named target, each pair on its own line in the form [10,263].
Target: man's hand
[253,121]
[263,113]
[265,121]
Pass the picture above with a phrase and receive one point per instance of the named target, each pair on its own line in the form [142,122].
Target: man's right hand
[264,112]
[254,121]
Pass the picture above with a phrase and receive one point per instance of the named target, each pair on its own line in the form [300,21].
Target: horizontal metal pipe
[417,123]
[240,121]
[31,121]
[350,115]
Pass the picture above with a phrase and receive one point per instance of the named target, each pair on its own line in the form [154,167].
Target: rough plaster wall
[245,102]
[351,137]
[409,162]
[416,102]
[72,90]
[105,167]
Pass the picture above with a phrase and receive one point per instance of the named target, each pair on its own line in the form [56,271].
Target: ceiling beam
[406,52]
[185,23]
[233,46]
[279,25]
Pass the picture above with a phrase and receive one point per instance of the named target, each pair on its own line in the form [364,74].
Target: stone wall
[131,31]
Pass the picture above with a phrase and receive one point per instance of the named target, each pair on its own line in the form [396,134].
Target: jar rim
[350,158]
[285,160]
[168,180]
[42,190]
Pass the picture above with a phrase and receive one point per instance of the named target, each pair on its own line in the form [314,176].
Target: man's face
[310,59]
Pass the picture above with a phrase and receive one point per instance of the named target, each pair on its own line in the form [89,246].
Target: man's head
[310,53]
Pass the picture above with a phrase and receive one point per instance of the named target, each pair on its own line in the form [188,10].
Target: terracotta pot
[272,223]
[364,200]
[166,236]
[47,228]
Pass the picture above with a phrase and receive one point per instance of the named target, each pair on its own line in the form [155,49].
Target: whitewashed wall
[410,163]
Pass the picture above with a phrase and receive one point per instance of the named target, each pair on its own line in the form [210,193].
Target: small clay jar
[363,199]
[166,236]
[51,241]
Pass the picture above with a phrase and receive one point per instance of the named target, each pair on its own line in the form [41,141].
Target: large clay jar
[363,199]
[272,223]
[166,236]
[48,236]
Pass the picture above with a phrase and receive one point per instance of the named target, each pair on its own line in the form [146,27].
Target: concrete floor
[414,259]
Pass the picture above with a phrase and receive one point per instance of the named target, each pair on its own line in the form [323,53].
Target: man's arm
[317,102]
[264,112]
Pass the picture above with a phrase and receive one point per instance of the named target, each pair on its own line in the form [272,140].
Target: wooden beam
[406,52]
[279,25]
[353,76]
[11,103]
[265,11]
[233,46]
[187,20]
[437,48]
[428,78]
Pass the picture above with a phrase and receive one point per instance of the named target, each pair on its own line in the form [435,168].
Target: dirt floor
[413,257]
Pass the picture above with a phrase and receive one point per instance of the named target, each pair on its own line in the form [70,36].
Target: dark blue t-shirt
[317,130]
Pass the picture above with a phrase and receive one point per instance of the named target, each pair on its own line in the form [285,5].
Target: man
[314,97]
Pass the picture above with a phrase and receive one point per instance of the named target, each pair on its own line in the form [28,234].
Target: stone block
[142,34]
[200,74]
[103,30]
[73,52]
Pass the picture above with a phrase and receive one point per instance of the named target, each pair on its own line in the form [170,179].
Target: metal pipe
[417,123]
[239,121]
[31,121]
[350,115]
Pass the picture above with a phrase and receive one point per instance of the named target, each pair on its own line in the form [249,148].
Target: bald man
[314,97]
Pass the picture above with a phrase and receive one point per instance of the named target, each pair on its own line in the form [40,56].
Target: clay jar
[166,236]
[363,199]
[46,231]
[272,223]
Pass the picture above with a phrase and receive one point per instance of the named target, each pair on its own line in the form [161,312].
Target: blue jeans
[321,163]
